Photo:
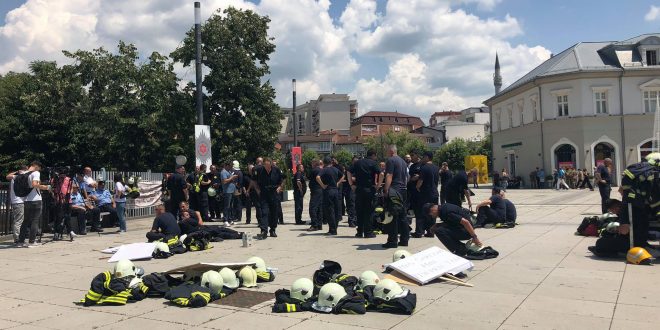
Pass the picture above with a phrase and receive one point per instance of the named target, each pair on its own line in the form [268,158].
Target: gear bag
[22,184]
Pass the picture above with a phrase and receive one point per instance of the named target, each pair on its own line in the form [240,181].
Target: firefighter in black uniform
[364,175]
[328,179]
[445,176]
[269,182]
[299,190]
[316,197]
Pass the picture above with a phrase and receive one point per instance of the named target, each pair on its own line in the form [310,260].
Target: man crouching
[454,228]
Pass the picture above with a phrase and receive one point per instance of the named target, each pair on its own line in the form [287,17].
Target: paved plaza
[543,278]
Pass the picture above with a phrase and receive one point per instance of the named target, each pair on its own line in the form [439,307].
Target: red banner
[296,158]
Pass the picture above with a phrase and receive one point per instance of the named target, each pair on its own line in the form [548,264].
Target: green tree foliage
[244,118]
[307,158]
[404,141]
[454,152]
[344,157]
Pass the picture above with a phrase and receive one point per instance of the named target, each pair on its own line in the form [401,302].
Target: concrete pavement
[543,278]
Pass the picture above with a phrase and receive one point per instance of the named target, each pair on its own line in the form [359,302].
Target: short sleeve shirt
[330,175]
[396,166]
[119,192]
[604,173]
[167,224]
[497,204]
[35,194]
[458,183]
[452,214]
[227,188]
[365,172]
[430,176]
[299,177]
[316,171]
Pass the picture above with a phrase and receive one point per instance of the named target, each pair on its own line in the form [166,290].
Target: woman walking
[120,201]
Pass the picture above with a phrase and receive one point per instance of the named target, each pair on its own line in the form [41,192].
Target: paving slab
[544,278]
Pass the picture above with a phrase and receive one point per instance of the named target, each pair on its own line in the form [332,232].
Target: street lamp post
[295,119]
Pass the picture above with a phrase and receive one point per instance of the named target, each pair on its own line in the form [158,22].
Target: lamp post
[295,119]
[198,63]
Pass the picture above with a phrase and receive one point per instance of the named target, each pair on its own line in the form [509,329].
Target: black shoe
[82,233]
[301,223]
[57,237]
[247,222]
[331,233]
[370,235]
[416,235]
[280,222]
[351,225]
[359,235]
[403,243]
[273,233]
[98,230]
[313,228]
[429,234]
[389,245]
[262,236]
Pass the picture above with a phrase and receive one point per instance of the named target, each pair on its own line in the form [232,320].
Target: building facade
[328,111]
[380,122]
[595,100]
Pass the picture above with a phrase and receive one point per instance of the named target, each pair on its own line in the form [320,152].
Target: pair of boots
[264,234]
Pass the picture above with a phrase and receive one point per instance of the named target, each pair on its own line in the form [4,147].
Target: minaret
[497,77]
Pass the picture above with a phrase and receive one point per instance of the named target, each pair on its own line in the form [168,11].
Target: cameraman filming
[61,192]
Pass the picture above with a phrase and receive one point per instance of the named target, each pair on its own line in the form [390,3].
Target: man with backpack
[28,185]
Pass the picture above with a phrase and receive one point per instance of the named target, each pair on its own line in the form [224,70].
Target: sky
[411,56]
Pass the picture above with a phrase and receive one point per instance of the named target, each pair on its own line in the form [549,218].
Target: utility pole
[198,63]
[295,119]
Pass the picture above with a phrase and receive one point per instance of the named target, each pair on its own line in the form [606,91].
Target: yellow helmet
[400,254]
[212,280]
[124,268]
[302,289]
[229,278]
[260,263]
[638,256]
[248,277]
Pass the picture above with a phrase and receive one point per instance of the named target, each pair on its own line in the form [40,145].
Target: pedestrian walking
[269,184]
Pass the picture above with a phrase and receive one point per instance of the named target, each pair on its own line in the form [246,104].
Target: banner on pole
[203,145]
[296,158]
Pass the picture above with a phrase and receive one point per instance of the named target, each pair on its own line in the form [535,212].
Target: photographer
[61,192]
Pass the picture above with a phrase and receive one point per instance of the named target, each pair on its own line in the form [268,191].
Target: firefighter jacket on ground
[404,303]
[347,305]
[160,283]
[106,290]
[266,276]
[285,304]
[194,295]
[198,241]
[367,292]
[348,282]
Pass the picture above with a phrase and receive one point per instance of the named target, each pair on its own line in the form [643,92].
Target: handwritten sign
[430,264]
[135,251]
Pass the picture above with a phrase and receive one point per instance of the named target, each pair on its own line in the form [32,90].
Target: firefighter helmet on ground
[302,289]
[124,268]
[248,277]
[229,278]
[161,246]
[387,289]
[212,280]
[400,254]
[260,263]
[638,256]
[331,294]
[368,278]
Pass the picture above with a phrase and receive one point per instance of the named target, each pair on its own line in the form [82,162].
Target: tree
[307,158]
[244,117]
[455,151]
[404,141]
[343,156]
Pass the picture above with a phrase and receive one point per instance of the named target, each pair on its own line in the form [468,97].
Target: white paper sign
[135,251]
[430,264]
[150,194]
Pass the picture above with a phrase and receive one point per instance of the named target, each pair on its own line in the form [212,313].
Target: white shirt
[35,194]
[13,198]
[119,190]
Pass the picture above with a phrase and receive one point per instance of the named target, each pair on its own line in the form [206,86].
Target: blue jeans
[227,209]
[121,215]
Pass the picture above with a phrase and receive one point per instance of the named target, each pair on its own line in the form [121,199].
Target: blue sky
[420,56]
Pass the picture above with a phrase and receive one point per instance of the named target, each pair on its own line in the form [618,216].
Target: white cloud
[653,14]
[438,56]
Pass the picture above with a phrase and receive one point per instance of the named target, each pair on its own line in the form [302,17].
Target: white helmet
[367,278]
[211,192]
[229,278]
[260,264]
[387,218]
[192,276]
[131,180]
[248,277]
[400,254]
[387,289]
[653,158]
[183,238]
[212,280]
[612,227]
[471,246]
[302,289]
[331,294]
[124,268]
[161,246]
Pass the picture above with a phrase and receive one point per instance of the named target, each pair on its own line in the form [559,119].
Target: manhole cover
[245,298]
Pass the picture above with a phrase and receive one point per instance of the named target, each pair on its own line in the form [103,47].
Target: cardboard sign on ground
[135,251]
[206,266]
[427,265]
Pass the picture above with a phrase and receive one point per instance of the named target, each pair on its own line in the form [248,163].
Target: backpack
[22,184]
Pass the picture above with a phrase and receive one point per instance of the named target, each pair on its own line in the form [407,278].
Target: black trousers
[92,214]
[423,222]
[604,190]
[451,237]
[203,201]
[298,197]
[364,207]
[154,237]
[268,202]
[443,195]
[587,182]
[63,218]
[215,209]
[330,206]
[338,205]
[173,204]
[315,207]
[278,208]
[349,202]
[237,207]
[113,213]
[398,229]
[252,201]
[487,215]
[454,198]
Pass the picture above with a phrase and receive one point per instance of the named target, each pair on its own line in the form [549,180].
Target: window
[534,110]
[510,117]
[397,128]
[562,105]
[600,98]
[324,146]
[651,57]
[650,101]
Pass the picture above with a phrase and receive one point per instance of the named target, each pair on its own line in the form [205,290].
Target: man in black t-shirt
[348,195]
[164,227]
[454,228]
[315,198]
[457,187]
[215,208]
[299,190]
[396,178]
[177,189]
[427,190]
[203,182]
[269,182]
[365,176]
[328,179]
[492,210]
[603,178]
[445,176]
[413,200]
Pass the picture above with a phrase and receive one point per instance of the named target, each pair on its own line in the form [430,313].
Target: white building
[593,100]
[328,111]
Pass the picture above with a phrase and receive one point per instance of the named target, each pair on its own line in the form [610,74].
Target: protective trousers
[451,237]
[298,197]
[364,207]
[399,224]
[268,201]
[315,207]
[330,206]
